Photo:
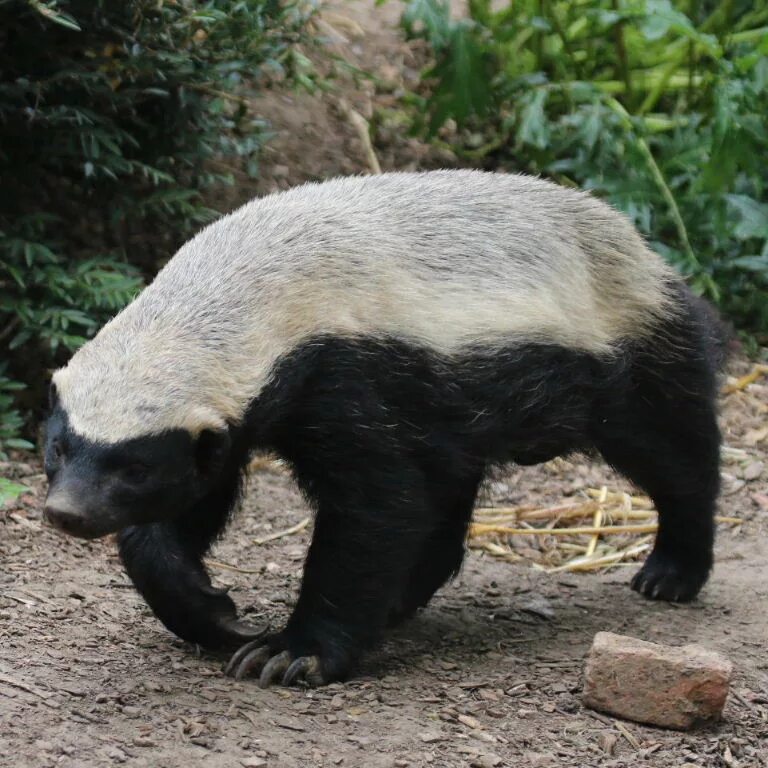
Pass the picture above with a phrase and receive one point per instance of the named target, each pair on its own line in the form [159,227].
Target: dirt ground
[488,675]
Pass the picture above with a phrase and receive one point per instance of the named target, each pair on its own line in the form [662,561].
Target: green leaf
[9,491]
[753,263]
[753,217]
[52,13]
[533,128]
[431,16]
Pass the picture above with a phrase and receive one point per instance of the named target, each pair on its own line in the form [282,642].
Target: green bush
[662,107]
[110,115]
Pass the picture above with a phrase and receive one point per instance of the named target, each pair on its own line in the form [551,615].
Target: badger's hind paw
[663,578]
[274,666]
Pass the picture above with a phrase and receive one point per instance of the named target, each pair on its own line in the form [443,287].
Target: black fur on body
[390,442]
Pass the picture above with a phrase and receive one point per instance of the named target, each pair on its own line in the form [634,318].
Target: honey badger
[391,337]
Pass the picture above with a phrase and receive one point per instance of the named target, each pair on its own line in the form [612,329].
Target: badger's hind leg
[443,552]
[658,427]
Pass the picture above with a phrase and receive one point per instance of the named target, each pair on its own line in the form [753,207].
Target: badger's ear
[212,451]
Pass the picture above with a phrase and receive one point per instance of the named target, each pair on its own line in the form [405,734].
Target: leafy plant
[10,491]
[10,421]
[660,106]
[112,114]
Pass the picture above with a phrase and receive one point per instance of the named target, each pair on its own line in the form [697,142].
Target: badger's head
[131,438]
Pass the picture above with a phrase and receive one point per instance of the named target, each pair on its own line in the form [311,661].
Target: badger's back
[449,260]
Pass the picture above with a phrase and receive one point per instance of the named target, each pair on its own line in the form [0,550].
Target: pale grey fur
[448,259]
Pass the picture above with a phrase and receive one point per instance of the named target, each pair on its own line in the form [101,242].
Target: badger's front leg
[372,520]
[165,562]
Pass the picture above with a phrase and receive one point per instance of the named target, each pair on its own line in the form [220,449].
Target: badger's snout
[78,507]
[65,512]
[62,514]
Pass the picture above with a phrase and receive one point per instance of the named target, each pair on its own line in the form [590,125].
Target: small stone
[117,754]
[253,762]
[538,759]
[656,684]
[469,721]
[607,742]
[430,738]
[539,606]
[754,470]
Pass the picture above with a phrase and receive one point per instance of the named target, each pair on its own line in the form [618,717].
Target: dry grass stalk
[287,532]
[743,382]
[620,528]
[227,567]
[363,129]
[477,529]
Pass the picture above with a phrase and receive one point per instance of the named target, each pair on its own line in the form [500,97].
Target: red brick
[679,687]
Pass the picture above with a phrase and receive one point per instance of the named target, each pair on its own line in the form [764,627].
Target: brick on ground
[672,687]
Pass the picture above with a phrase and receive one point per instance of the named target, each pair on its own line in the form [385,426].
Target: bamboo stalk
[661,182]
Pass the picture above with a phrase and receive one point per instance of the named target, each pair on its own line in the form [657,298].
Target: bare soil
[488,675]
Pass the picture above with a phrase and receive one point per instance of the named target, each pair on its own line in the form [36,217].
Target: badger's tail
[719,339]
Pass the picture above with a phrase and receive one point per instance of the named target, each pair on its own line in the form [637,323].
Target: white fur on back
[447,260]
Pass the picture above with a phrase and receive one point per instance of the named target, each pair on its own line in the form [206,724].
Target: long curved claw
[254,660]
[243,632]
[240,654]
[274,669]
[304,668]
[274,666]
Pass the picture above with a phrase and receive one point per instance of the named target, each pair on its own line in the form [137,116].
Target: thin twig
[228,567]
[361,125]
[742,383]
[287,532]
[658,176]
[626,734]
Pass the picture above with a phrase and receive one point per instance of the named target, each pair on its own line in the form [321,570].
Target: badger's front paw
[286,658]
[664,577]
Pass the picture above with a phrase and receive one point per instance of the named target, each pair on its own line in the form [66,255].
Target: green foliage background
[110,113]
[659,106]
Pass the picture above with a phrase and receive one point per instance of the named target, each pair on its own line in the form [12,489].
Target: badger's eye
[57,450]
[135,472]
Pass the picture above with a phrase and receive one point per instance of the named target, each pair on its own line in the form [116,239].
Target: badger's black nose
[62,514]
